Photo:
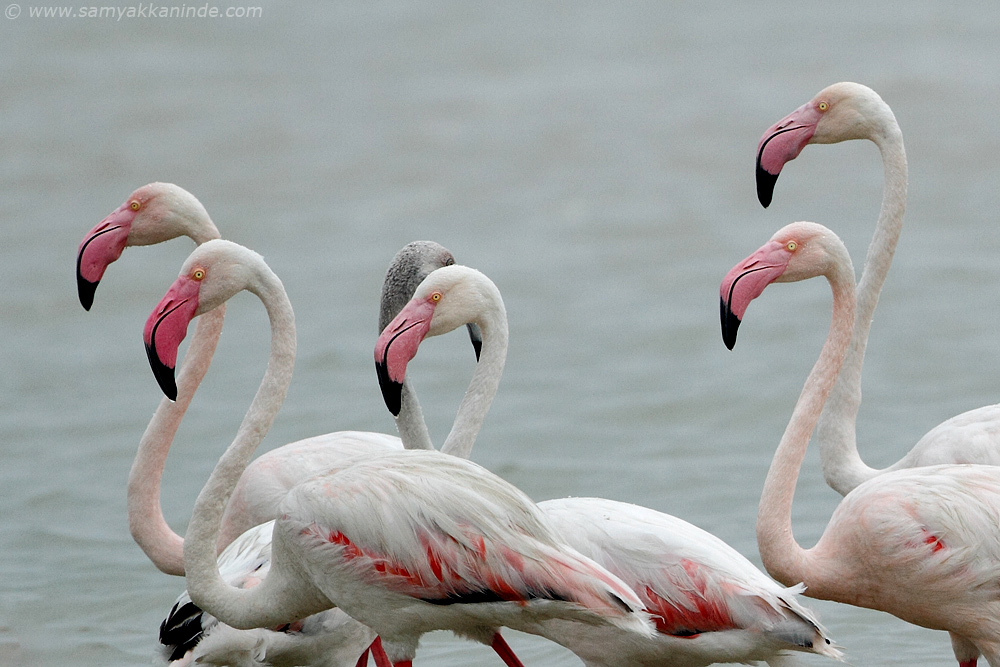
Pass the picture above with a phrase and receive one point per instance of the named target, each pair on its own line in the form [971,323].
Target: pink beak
[397,345]
[166,328]
[781,143]
[102,245]
[745,282]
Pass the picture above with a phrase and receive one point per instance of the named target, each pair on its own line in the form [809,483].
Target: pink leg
[363,660]
[381,659]
[505,652]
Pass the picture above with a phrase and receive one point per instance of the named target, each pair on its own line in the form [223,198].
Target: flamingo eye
[436,296]
[198,274]
[135,205]
[791,246]
[823,106]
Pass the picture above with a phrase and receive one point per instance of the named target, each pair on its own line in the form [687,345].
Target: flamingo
[158,212]
[405,542]
[842,112]
[919,543]
[330,637]
[709,603]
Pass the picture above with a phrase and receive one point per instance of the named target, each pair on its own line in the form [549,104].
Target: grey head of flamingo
[414,262]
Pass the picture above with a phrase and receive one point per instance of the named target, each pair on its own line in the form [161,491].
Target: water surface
[594,159]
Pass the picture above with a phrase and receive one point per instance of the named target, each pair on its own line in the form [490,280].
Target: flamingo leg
[378,653]
[505,652]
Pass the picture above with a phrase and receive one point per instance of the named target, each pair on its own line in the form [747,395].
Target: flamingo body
[269,478]
[709,603]
[418,543]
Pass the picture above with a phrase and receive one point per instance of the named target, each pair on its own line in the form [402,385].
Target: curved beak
[100,247]
[745,282]
[165,329]
[781,143]
[396,346]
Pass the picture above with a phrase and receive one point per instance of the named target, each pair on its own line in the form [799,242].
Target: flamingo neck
[188,215]
[273,601]
[204,231]
[781,555]
[410,421]
[485,381]
[149,528]
[837,432]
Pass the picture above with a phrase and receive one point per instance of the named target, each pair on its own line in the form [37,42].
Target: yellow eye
[134,205]
[791,246]
[435,297]
[198,274]
[823,106]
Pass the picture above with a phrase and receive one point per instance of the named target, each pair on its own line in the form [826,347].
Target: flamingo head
[154,213]
[213,273]
[444,301]
[837,113]
[796,252]
[414,262]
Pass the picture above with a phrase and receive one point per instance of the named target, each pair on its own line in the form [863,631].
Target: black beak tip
[86,290]
[730,325]
[164,374]
[392,391]
[765,185]
[476,336]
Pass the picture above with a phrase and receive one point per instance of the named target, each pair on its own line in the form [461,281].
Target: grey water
[594,159]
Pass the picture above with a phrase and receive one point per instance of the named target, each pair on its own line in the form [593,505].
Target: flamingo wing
[444,530]
[270,476]
[945,534]
[690,581]
[971,437]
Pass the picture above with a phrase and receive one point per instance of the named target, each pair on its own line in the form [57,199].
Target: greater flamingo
[919,543]
[405,542]
[709,603]
[331,637]
[842,112]
[158,212]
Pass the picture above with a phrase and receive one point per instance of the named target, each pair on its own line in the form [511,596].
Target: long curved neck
[149,528]
[483,386]
[837,434]
[263,605]
[410,421]
[784,559]
[163,546]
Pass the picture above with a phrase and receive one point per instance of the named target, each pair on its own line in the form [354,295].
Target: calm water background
[595,159]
